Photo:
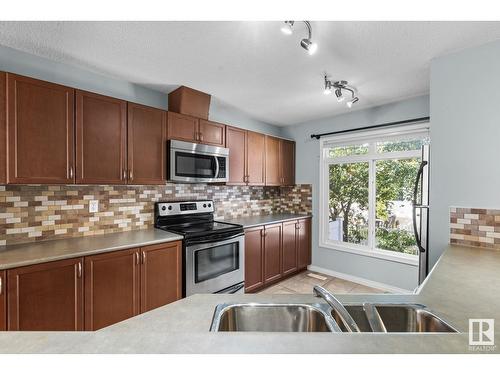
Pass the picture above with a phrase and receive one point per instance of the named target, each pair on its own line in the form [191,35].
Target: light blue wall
[307,171]
[465,133]
[23,63]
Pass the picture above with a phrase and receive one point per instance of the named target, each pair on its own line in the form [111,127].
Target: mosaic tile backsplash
[475,227]
[40,212]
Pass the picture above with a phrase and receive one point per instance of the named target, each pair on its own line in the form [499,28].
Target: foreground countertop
[12,256]
[464,284]
[257,220]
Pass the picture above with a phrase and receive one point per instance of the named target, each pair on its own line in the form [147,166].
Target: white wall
[307,171]
[465,136]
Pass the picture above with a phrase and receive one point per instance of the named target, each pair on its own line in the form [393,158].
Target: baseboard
[360,280]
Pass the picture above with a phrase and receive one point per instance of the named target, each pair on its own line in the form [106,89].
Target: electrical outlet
[93,206]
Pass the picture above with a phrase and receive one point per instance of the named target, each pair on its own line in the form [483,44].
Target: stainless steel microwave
[194,162]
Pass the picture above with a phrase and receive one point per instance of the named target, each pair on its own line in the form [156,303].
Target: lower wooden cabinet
[111,288]
[46,297]
[254,259]
[161,275]
[3,301]
[304,243]
[289,248]
[274,252]
[122,284]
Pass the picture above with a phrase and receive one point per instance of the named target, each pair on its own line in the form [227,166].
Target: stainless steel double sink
[320,317]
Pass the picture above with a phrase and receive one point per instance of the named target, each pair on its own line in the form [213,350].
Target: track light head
[328,86]
[352,101]
[338,94]
[309,46]
[287,28]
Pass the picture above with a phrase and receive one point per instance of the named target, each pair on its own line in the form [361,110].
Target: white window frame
[371,137]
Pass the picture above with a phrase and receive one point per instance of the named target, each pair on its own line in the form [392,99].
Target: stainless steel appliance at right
[421,214]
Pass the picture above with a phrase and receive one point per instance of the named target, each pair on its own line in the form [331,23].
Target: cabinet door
[254,259]
[111,288]
[273,172]
[304,243]
[3,301]
[147,137]
[182,127]
[256,159]
[3,128]
[236,143]
[212,133]
[101,139]
[46,297]
[272,253]
[161,275]
[289,257]
[40,131]
[287,162]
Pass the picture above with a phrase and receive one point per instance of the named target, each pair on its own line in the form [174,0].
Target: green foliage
[349,193]
[396,240]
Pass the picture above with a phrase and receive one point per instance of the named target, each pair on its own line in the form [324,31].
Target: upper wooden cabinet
[40,131]
[161,275]
[191,129]
[101,139]
[3,300]
[182,127]
[236,142]
[287,162]
[3,128]
[303,243]
[111,288]
[273,170]
[146,151]
[246,157]
[254,258]
[212,133]
[190,102]
[46,297]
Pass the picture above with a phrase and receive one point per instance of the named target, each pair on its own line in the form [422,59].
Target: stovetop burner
[192,219]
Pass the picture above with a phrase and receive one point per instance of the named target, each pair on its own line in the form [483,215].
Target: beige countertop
[46,251]
[464,284]
[256,220]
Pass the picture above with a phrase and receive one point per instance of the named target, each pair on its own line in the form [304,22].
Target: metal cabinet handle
[130,175]
[79,272]
[143,257]
[201,136]
[1,285]
[71,172]
[136,255]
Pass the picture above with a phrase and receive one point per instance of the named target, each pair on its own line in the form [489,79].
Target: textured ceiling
[252,65]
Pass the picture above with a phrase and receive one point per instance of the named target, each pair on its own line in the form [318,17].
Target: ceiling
[252,65]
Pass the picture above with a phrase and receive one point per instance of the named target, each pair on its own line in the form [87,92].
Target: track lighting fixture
[305,43]
[340,87]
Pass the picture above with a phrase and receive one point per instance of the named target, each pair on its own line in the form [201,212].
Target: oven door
[214,266]
[192,162]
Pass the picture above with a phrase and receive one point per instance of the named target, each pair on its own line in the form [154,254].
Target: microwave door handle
[216,166]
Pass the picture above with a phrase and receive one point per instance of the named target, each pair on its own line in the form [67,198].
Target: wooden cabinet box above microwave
[188,101]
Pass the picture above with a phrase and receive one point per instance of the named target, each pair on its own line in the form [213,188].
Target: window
[367,187]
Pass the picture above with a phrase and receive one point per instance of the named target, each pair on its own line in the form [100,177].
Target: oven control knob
[210,205]
[163,208]
[170,208]
[204,205]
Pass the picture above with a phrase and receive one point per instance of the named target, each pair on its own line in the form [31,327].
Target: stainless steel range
[214,251]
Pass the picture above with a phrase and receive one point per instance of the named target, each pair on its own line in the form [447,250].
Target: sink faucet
[335,304]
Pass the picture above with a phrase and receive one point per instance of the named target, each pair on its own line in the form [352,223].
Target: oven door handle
[212,240]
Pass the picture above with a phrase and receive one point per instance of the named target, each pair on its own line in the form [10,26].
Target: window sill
[380,254]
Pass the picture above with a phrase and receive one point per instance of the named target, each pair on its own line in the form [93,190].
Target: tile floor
[303,284]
